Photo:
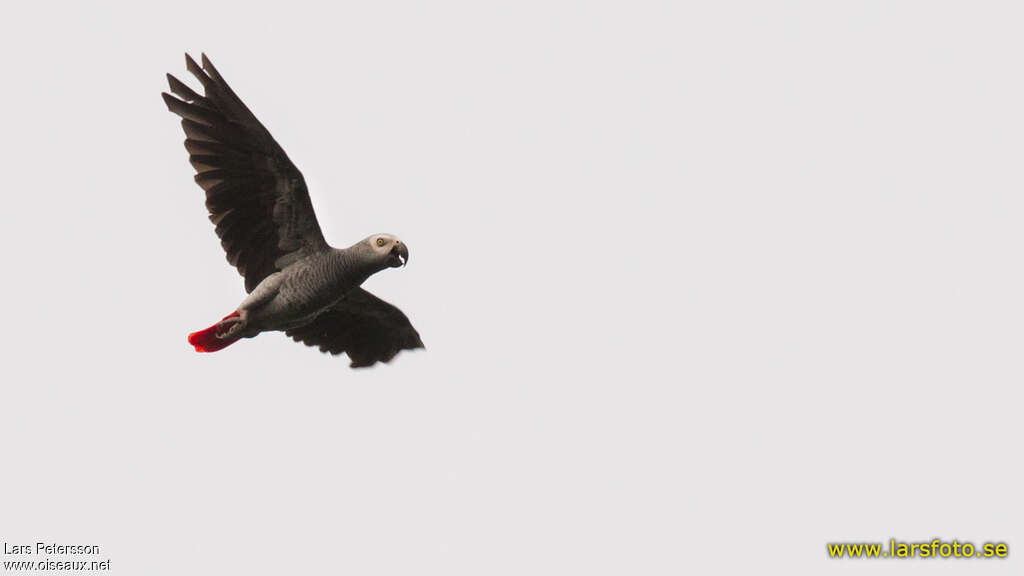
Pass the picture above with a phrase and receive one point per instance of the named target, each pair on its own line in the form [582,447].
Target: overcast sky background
[703,286]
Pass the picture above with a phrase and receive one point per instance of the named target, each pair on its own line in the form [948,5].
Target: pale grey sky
[703,286]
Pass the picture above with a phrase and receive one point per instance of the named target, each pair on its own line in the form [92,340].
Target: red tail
[208,341]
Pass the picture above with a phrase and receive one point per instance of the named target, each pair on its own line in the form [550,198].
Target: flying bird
[260,206]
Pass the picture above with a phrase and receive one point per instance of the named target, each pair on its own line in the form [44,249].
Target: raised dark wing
[256,197]
[363,326]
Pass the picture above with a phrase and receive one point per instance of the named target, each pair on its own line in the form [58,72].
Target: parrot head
[388,249]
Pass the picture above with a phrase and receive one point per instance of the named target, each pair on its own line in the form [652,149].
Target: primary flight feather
[260,206]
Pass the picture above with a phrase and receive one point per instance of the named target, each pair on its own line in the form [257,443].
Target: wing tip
[182,90]
[196,71]
[211,70]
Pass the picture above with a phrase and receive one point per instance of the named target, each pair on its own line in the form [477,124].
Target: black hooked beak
[399,254]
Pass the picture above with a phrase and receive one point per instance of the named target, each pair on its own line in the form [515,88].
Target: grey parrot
[260,206]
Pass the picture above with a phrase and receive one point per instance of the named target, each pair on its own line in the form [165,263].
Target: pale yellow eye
[380,241]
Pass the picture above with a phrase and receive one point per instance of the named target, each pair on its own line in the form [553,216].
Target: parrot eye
[380,241]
